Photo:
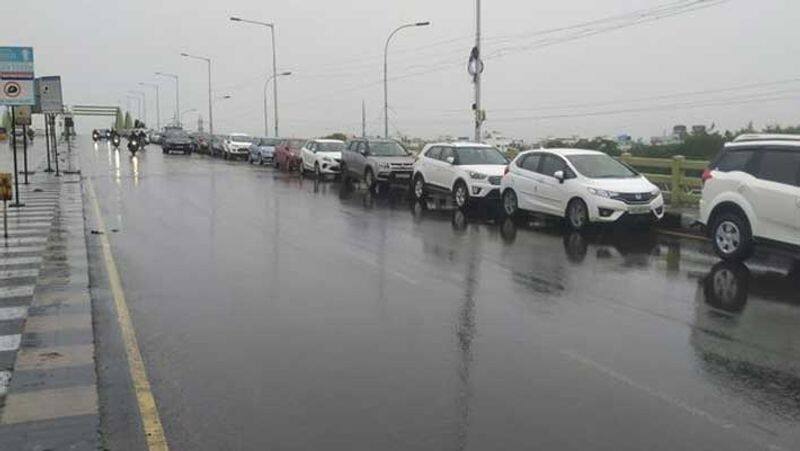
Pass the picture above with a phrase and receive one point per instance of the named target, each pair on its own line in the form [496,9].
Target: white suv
[468,171]
[751,193]
[237,145]
[583,186]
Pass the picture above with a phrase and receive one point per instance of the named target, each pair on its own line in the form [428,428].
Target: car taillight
[506,170]
[706,175]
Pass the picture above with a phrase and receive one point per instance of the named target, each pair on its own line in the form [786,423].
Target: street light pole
[479,116]
[210,107]
[271,27]
[138,104]
[177,95]
[144,103]
[158,106]
[266,84]
[386,71]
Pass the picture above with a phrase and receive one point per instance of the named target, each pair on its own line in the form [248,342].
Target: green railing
[670,174]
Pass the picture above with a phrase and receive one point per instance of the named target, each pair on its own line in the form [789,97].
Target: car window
[779,166]
[362,146]
[329,146]
[531,162]
[446,153]
[479,155]
[387,149]
[551,164]
[734,160]
[311,145]
[600,166]
[434,152]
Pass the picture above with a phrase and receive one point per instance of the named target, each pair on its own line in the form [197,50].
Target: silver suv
[377,162]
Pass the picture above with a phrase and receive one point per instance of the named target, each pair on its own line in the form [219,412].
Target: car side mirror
[559,175]
[451,160]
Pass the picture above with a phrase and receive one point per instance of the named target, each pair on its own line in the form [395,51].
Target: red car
[288,154]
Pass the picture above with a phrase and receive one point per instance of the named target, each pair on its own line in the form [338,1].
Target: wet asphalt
[277,312]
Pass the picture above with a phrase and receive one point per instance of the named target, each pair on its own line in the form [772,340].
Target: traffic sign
[48,95]
[16,76]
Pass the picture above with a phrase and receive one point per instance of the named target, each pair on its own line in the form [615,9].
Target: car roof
[328,140]
[566,152]
[460,144]
[747,137]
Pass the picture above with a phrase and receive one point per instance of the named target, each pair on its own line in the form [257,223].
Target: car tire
[260,160]
[369,180]
[577,214]
[731,236]
[461,195]
[510,203]
[418,187]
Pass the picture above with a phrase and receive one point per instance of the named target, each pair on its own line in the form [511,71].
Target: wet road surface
[274,312]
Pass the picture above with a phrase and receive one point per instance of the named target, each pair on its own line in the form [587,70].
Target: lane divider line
[148,411]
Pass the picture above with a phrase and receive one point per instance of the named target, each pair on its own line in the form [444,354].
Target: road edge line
[148,410]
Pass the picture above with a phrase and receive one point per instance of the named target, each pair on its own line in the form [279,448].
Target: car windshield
[241,139]
[386,149]
[601,167]
[269,142]
[178,134]
[330,146]
[479,155]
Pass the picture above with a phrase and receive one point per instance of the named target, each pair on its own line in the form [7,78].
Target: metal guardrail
[678,187]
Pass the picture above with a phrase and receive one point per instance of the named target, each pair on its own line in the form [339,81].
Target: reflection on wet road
[275,312]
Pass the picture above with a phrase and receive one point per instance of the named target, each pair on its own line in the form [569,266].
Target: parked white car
[467,171]
[751,194]
[237,145]
[322,156]
[582,186]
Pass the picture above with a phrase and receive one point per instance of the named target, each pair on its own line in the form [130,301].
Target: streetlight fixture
[158,107]
[210,108]
[386,70]
[271,27]
[144,103]
[266,83]
[177,94]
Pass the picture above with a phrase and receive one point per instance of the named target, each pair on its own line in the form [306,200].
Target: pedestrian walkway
[47,370]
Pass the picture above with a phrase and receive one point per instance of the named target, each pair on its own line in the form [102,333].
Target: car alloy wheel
[510,202]
[419,187]
[460,195]
[577,214]
[728,237]
[369,179]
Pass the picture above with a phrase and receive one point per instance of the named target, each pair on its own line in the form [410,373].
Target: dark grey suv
[377,162]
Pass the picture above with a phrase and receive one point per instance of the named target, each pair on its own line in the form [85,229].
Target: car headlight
[655,193]
[383,165]
[477,175]
[603,193]
[328,159]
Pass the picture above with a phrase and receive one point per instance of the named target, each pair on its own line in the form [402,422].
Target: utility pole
[210,96]
[158,107]
[475,59]
[386,73]
[363,119]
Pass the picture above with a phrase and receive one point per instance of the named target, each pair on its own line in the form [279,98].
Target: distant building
[680,131]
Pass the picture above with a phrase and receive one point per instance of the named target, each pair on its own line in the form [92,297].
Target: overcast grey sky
[334,48]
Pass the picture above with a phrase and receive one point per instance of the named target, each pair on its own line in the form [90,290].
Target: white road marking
[5,380]
[17,273]
[15,292]
[11,313]
[20,261]
[10,342]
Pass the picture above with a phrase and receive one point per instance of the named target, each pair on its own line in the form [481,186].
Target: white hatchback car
[322,156]
[583,186]
[751,194]
[468,171]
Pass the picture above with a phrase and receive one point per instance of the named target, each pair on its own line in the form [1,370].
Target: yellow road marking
[148,411]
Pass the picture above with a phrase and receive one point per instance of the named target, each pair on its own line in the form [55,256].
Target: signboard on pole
[48,95]
[16,76]
[22,115]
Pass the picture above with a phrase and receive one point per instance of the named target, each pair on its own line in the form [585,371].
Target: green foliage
[338,135]
[128,121]
[119,121]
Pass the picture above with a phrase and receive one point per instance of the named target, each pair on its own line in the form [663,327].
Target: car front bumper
[610,210]
[402,177]
[482,189]
[329,167]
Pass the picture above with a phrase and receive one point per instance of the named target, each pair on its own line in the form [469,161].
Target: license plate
[402,176]
[645,209]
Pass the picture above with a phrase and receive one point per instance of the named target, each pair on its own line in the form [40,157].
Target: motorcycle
[115,141]
[134,144]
